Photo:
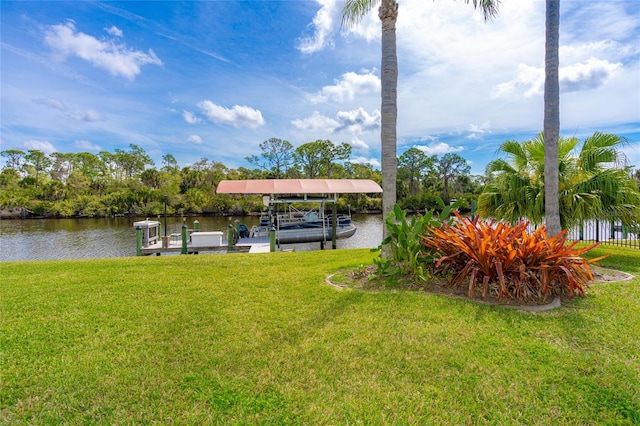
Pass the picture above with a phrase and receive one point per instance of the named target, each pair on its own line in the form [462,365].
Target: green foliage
[408,256]
[423,201]
[594,182]
[507,260]
[123,183]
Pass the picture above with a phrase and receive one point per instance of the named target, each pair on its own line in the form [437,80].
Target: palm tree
[352,13]
[594,185]
[551,126]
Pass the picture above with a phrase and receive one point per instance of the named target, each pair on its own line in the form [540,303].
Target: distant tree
[109,163]
[201,164]
[276,157]
[54,190]
[90,165]
[35,163]
[169,163]
[132,162]
[151,178]
[61,166]
[14,157]
[78,183]
[449,167]
[412,164]
[308,158]
[331,154]
[191,179]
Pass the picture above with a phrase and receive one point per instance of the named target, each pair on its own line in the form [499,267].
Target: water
[45,239]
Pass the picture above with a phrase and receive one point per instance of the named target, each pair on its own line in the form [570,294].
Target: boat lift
[287,191]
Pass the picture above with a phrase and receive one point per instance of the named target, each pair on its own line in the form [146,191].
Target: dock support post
[334,224]
[196,226]
[272,239]
[184,239]
[230,237]
[138,241]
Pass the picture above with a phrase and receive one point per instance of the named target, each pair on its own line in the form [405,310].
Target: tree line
[595,181]
[128,182]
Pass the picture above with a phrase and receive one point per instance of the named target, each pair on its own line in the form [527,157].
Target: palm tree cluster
[594,182]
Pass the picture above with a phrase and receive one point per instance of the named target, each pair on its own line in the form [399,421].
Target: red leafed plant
[507,261]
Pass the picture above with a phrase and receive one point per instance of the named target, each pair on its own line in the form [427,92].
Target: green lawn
[262,339]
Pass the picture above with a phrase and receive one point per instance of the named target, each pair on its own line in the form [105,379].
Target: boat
[297,226]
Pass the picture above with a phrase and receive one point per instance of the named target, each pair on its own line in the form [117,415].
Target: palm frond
[354,10]
[601,150]
[489,8]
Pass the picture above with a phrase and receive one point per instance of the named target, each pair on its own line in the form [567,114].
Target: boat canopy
[298,186]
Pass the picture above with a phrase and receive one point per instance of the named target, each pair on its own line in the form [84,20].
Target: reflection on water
[40,239]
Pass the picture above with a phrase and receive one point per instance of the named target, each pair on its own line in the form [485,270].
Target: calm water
[40,239]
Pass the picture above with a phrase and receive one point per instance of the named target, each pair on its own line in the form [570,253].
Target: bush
[408,256]
[507,261]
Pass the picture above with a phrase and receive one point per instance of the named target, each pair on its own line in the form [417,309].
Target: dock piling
[184,239]
[138,241]
[272,239]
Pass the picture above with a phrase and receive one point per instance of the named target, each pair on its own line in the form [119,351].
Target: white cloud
[528,79]
[323,25]
[114,31]
[237,116]
[348,86]
[358,121]
[439,148]
[86,145]
[592,74]
[89,116]
[51,102]
[580,52]
[477,131]
[116,59]
[190,117]
[43,146]
[359,144]
[194,139]
[355,122]
[363,160]
[316,123]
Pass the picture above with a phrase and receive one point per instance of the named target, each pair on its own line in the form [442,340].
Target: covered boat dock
[287,191]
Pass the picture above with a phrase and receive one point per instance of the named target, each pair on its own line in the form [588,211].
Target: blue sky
[214,79]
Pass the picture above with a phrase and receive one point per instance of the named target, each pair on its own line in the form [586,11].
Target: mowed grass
[262,339]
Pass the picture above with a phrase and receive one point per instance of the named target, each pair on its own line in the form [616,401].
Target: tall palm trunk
[388,14]
[353,11]
[551,117]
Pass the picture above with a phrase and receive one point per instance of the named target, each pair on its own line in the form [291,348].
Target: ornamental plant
[408,255]
[508,261]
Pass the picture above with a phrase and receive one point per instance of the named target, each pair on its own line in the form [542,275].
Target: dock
[243,245]
[193,241]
